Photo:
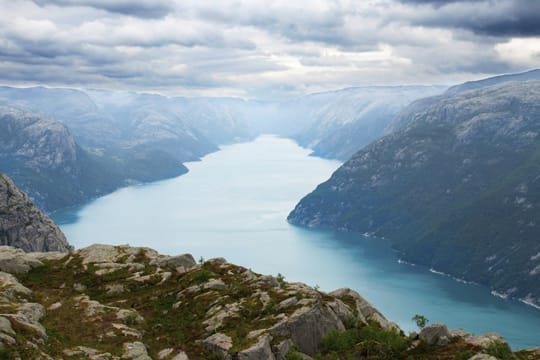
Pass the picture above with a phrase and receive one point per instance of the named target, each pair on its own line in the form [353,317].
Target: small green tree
[420,320]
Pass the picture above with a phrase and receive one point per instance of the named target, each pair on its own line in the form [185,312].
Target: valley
[242,218]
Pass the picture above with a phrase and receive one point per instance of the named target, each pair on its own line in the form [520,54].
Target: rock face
[59,306]
[24,226]
[454,186]
[42,157]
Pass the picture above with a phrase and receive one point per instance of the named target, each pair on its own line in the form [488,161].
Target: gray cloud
[138,8]
[500,18]
[260,48]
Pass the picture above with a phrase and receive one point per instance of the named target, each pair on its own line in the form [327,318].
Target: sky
[263,48]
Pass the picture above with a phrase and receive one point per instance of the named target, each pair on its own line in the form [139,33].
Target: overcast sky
[262,48]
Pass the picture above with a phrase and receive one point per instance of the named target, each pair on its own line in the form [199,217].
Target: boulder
[16,261]
[307,326]
[436,334]
[215,284]
[11,288]
[165,353]
[217,261]
[218,343]
[185,260]
[135,351]
[365,310]
[180,356]
[5,326]
[282,348]
[484,341]
[262,350]
[288,302]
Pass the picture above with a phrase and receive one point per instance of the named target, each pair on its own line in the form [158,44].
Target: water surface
[234,203]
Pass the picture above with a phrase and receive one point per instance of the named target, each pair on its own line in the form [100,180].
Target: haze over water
[234,204]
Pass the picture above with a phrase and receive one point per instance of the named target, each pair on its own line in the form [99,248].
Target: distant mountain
[125,125]
[471,85]
[24,226]
[103,139]
[455,186]
[337,124]
[41,155]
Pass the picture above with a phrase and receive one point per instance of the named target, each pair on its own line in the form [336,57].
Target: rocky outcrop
[170,308]
[24,226]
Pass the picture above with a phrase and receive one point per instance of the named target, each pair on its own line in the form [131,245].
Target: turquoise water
[234,203]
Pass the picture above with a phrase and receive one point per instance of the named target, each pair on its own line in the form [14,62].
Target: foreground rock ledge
[121,302]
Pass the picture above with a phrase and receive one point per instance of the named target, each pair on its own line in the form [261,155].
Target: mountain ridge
[450,187]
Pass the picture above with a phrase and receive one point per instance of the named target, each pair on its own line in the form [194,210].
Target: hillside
[105,302]
[454,186]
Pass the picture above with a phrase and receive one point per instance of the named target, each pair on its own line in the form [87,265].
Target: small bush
[281,279]
[337,341]
[500,350]
[420,320]
[202,276]
[293,355]
[464,355]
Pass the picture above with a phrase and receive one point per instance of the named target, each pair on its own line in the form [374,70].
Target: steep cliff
[454,186]
[24,226]
[42,157]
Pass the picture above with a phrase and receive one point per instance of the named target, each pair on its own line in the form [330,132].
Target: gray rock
[215,284]
[164,353]
[268,280]
[29,315]
[288,302]
[218,343]
[16,261]
[185,260]
[436,334]
[23,225]
[11,288]
[280,350]
[135,351]
[260,351]
[484,341]
[5,326]
[482,357]
[307,326]
[217,261]
[366,311]
[180,356]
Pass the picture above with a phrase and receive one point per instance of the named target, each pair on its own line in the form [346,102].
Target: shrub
[500,350]
[420,320]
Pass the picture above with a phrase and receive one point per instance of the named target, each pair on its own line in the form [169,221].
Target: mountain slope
[455,186]
[42,157]
[340,123]
[23,226]
[120,302]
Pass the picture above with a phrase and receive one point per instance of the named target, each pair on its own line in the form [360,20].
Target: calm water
[234,203]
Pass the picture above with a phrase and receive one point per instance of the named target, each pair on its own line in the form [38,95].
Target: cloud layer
[262,48]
